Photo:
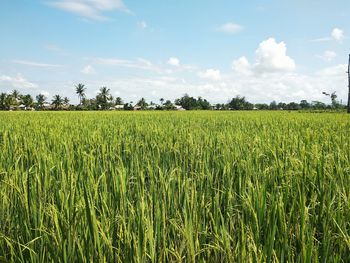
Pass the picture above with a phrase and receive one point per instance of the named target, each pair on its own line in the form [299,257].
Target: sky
[264,50]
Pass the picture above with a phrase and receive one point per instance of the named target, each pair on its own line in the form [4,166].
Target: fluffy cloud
[211,74]
[174,62]
[270,57]
[16,82]
[230,28]
[242,66]
[337,34]
[328,55]
[88,70]
[91,9]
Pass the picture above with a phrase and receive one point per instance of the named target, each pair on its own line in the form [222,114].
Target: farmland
[174,187]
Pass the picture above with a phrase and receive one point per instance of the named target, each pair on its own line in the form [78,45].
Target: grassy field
[174,187]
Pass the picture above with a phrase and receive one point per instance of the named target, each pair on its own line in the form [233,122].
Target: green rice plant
[174,187]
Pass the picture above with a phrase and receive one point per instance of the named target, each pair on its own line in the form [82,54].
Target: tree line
[105,101]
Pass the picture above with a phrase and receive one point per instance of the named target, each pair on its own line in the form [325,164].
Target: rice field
[174,187]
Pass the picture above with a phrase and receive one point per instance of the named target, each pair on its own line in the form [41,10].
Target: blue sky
[265,50]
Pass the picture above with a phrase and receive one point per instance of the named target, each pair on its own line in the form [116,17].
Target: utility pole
[349,85]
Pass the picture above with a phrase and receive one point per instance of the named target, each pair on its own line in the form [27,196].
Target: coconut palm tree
[66,100]
[40,101]
[80,90]
[27,101]
[103,98]
[57,101]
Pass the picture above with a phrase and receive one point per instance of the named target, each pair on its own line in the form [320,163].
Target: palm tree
[40,100]
[103,97]
[27,101]
[57,101]
[16,95]
[66,100]
[80,90]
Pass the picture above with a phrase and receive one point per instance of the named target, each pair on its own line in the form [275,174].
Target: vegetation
[105,101]
[172,187]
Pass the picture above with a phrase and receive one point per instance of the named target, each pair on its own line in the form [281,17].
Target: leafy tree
[304,104]
[142,103]
[262,106]
[3,101]
[40,101]
[103,98]
[27,101]
[292,106]
[239,103]
[168,105]
[80,90]
[57,101]
[273,105]
[161,101]
[118,101]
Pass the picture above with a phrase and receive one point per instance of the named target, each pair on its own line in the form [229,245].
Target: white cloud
[338,34]
[140,63]
[16,82]
[211,74]
[328,55]
[242,66]
[230,28]
[88,70]
[272,56]
[142,25]
[36,64]
[91,9]
[174,62]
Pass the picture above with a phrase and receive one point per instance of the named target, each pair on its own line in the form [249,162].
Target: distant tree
[66,101]
[317,105]
[103,98]
[27,101]
[128,106]
[3,101]
[187,102]
[203,104]
[161,101]
[304,104]
[40,101]
[118,101]
[262,106]
[240,103]
[57,101]
[168,105]
[16,94]
[273,105]
[80,90]
[281,106]
[292,106]
[142,103]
